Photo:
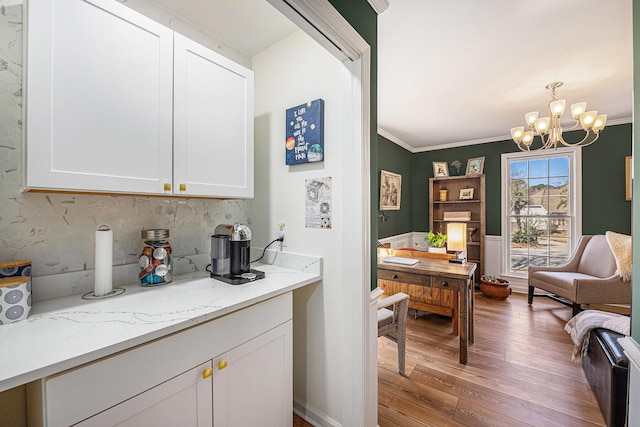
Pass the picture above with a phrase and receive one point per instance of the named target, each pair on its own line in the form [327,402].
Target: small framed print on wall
[305,133]
[390,186]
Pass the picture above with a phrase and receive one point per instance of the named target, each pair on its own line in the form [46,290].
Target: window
[540,208]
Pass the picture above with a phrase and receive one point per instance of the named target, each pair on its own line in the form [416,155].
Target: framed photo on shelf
[475,166]
[466,194]
[390,186]
[440,169]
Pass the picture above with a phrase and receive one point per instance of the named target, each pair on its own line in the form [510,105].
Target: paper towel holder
[114,291]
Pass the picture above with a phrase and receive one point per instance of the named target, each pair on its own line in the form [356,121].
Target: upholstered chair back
[597,258]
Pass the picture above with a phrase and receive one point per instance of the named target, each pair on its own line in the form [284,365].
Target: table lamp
[457,241]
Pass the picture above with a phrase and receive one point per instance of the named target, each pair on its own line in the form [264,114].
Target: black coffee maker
[230,255]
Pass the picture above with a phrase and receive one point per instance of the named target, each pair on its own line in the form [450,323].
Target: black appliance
[230,255]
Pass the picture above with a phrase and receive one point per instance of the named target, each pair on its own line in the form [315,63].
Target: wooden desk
[443,275]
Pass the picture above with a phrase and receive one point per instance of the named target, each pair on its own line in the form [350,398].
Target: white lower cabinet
[233,371]
[252,384]
[182,401]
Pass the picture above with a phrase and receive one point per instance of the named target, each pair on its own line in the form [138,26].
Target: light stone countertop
[66,332]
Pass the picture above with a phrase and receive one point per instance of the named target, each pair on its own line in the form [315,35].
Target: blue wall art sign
[305,133]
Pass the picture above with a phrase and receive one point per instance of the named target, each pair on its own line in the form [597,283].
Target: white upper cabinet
[99,98]
[101,105]
[213,122]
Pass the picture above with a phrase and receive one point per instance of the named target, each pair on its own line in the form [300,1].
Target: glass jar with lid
[156,258]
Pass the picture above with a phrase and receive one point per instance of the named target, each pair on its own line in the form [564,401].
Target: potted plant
[436,242]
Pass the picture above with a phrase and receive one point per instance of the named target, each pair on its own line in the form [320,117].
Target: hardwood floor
[519,373]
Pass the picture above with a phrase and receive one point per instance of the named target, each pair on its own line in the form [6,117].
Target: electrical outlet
[281,227]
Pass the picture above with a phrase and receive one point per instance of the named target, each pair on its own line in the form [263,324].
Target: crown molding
[401,143]
[379,5]
[395,140]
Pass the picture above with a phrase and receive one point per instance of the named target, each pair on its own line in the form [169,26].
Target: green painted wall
[365,21]
[603,185]
[393,158]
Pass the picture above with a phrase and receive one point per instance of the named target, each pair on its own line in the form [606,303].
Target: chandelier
[549,129]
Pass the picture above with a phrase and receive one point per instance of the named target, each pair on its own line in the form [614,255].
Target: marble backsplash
[57,231]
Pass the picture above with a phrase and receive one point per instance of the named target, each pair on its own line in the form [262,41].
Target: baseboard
[312,415]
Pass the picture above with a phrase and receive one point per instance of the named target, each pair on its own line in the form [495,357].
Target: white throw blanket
[580,325]
[620,245]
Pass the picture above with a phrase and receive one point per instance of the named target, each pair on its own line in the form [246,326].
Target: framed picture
[466,194]
[440,169]
[628,176]
[475,166]
[390,186]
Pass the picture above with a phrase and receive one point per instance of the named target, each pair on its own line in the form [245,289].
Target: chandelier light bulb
[517,133]
[542,125]
[531,118]
[587,119]
[527,138]
[577,109]
[600,122]
[557,107]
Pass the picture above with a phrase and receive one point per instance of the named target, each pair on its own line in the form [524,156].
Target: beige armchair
[589,277]
[392,323]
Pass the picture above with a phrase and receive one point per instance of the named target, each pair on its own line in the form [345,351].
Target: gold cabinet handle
[207,373]
[167,186]
[222,364]
[183,188]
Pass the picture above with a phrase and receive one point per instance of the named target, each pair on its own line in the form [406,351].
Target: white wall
[295,71]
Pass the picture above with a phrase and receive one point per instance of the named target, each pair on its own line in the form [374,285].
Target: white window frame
[575,211]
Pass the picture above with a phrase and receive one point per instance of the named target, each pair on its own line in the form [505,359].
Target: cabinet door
[252,383]
[182,401]
[99,98]
[213,123]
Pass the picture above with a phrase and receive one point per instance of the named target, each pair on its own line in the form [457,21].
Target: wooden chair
[392,323]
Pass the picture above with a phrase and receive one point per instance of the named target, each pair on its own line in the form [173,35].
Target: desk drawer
[400,276]
[446,283]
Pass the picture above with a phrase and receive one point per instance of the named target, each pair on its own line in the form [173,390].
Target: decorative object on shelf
[475,166]
[549,128]
[466,194]
[457,164]
[456,216]
[443,194]
[457,241]
[628,176]
[440,169]
[494,287]
[305,133]
[390,187]
[436,242]
[470,232]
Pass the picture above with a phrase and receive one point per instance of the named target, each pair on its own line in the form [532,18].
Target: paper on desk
[400,260]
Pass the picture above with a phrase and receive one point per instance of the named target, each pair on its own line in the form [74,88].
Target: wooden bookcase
[475,205]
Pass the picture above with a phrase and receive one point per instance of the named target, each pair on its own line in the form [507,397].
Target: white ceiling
[463,71]
[467,70]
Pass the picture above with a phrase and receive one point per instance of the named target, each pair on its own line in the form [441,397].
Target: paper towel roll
[104,261]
